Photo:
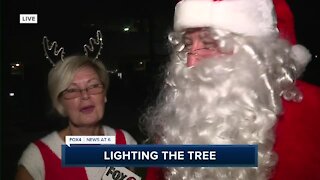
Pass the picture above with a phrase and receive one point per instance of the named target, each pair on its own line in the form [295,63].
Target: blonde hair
[60,77]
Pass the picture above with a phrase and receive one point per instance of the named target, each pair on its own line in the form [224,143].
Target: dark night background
[138,56]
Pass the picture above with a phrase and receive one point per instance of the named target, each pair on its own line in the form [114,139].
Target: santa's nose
[193,57]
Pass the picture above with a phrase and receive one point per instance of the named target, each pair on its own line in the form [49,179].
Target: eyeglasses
[202,52]
[75,93]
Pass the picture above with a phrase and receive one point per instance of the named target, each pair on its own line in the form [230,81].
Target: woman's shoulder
[32,161]
[31,158]
[35,148]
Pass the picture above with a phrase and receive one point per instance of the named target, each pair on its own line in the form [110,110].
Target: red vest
[297,140]
[52,163]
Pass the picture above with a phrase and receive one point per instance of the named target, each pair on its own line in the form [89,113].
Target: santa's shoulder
[310,93]
[308,107]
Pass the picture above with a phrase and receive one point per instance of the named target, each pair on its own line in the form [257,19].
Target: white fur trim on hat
[247,17]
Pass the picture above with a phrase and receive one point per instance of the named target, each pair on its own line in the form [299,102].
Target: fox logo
[119,173]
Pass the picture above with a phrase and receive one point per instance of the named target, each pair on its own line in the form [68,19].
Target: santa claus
[233,79]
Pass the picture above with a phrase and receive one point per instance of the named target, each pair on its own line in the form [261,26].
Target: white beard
[231,100]
[227,100]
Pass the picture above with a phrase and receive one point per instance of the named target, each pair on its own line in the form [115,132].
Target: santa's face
[199,45]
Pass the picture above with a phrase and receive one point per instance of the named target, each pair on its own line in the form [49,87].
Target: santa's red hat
[246,17]
[285,24]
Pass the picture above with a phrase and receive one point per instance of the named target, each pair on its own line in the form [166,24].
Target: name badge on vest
[119,173]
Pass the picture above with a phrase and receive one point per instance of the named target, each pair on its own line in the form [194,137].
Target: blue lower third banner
[160,155]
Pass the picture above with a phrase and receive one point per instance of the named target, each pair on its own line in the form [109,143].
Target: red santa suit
[297,139]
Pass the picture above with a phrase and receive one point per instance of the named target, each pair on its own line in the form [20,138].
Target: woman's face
[84,99]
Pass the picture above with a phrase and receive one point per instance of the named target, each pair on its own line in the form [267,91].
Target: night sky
[71,23]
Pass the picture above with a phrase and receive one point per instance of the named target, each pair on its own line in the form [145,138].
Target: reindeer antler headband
[53,54]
